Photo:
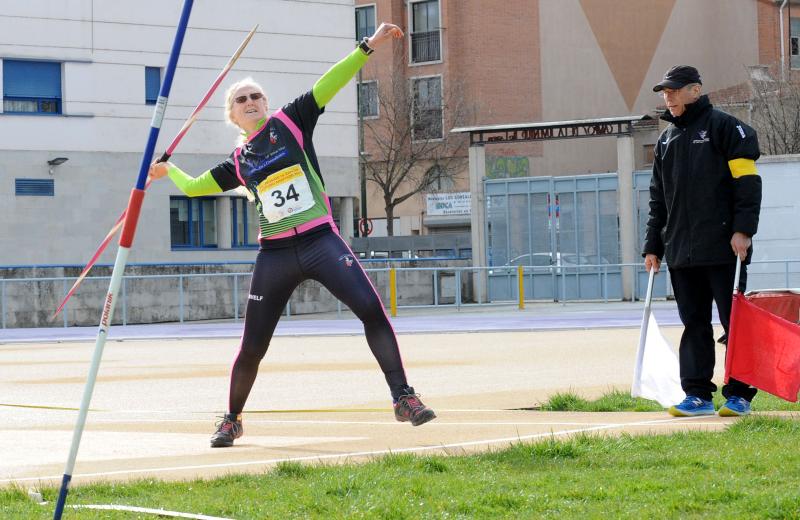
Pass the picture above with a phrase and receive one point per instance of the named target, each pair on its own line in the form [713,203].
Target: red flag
[763,350]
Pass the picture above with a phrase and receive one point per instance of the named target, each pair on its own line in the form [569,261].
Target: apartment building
[529,61]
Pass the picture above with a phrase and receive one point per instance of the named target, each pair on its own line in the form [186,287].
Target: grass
[749,470]
[613,401]
[621,401]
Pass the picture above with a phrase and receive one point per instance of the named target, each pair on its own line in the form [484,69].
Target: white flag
[657,372]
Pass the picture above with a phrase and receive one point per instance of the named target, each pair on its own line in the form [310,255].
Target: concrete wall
[778,236]
[601,59]
[91,190]
[105,47]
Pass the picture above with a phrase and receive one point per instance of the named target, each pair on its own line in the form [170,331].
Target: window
[794,42]
[368,99]
[649,152]
[244,219]
[427,109]
[365,21]
[31,87]
[193,222]
[34,187]
[152,84]
[440,181]
[425,41]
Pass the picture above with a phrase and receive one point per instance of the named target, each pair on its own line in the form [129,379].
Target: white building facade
[78,81]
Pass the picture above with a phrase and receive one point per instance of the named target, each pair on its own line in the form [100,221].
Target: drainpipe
[783,52]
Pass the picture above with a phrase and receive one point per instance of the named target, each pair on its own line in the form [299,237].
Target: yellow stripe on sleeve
[742,167]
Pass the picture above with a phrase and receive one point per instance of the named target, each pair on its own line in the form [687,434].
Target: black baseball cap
[679,76]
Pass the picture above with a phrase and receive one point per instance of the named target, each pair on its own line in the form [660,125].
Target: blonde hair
[229,94]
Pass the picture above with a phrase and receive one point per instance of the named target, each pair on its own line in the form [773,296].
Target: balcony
[425,47]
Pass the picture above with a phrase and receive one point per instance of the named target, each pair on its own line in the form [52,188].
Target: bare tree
[410,148]
[775,105]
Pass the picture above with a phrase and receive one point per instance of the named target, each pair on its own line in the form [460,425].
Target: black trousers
[319,254]
[695,289]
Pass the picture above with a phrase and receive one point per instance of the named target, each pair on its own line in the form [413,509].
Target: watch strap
[364,46]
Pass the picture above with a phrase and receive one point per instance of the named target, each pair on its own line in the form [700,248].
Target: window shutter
[31,79]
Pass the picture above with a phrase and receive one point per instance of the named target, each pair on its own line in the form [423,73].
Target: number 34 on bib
[285,193]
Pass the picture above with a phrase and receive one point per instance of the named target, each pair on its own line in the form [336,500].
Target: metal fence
[191,297]
[554,221]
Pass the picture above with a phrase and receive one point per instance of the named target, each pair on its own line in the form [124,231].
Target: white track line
[443,423]
[147,510]
[387,409]
[438,422]
[443,447]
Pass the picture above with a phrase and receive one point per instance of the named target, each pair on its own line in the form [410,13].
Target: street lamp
[56,162]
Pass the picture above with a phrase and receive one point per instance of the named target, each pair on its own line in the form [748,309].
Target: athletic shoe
[228,429]
[692,406]
[734,407]
[409,408]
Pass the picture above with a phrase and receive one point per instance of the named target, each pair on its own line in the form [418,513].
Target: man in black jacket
[705,198]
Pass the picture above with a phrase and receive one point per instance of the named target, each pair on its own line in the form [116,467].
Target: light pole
[362,156]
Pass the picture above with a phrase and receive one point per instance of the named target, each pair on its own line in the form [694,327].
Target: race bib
[284,194]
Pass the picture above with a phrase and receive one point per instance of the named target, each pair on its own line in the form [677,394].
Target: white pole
[125,243]
[102,336]
[783,52]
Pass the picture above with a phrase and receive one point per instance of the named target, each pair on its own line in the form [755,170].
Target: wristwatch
[364,46]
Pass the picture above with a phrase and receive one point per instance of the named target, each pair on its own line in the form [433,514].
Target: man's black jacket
[704,187]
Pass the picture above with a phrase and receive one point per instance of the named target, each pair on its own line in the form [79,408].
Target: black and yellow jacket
[704,188]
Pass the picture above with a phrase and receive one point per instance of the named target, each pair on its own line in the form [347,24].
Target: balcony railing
[425,47]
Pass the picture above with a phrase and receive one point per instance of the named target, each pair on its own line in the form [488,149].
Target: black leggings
[282,264]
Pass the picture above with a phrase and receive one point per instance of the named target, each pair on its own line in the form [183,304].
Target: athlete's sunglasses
[255,96]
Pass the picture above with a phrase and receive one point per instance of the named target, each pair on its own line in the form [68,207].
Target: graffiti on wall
[507,167]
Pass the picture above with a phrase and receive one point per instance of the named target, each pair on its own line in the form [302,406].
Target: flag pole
[125,243]
[637,369]
[729,346]
[165,157]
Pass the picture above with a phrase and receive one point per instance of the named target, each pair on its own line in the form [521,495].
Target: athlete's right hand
[385,32]
[158,170]
[652,262]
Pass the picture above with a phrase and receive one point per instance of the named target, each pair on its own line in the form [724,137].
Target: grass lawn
[621,401]
[750,470]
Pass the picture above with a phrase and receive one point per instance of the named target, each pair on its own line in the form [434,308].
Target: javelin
[164,158]
[125,244]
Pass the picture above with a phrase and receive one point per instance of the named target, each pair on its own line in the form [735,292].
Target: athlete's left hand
[740,243]
[384,32]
